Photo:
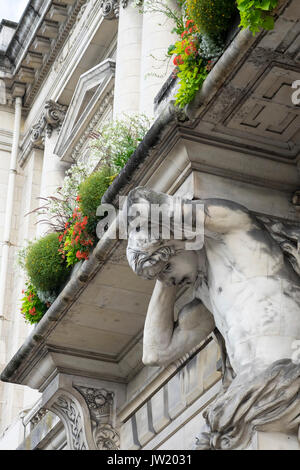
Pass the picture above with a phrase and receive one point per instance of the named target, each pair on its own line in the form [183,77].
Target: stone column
[10,202]
[45,135]
[155,67]
[128,66]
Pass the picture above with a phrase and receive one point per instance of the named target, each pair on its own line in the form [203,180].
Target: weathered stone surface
[129,440]
[159,406]
[144,423]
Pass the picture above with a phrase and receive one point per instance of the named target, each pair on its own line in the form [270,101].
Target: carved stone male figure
[246,284]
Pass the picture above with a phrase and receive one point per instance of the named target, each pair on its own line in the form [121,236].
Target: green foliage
[192,68]
[255,14]
[45,268]
[117,140]
[33,309]
[91,192]
[212,17]
[191,80]
[163,6]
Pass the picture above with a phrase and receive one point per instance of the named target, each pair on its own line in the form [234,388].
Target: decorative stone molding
[52,118]
[69,412]
[54,47]
[111,8]
[100,405]
[107,102]
[38,417]
[94,91]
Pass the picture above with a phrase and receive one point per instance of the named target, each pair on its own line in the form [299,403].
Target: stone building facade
[76,381]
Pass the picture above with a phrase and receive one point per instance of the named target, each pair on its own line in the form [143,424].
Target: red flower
[32,311]
[184,34]
[78,199]
[178,60]
[187,24]
[188,50]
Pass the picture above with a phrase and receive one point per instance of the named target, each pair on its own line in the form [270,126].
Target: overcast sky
[12,9]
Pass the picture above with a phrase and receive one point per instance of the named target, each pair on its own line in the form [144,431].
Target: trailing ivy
[33,309]
[255,14]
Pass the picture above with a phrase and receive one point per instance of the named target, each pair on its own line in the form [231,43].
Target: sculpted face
[181,269]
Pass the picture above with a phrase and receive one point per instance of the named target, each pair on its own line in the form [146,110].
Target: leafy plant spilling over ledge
[202,26]
[71,214]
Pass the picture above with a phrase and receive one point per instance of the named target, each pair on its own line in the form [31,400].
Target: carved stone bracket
[100,404]
[52,118]
[88,415]
[68,411]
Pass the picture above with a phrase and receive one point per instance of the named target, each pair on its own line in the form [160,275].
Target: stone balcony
[239,140]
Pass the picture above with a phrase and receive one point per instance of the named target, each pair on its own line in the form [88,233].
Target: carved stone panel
[68,411]
[88,414]
[100,404]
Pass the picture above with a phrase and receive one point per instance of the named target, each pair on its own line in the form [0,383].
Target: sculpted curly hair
[148,265]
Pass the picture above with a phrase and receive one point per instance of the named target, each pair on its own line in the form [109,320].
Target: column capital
[52,118]
[111,8]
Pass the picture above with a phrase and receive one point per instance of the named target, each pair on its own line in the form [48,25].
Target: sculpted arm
[222,216]
[164,340]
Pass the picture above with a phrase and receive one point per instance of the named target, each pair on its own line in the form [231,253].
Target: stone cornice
[40,35]
[52,54]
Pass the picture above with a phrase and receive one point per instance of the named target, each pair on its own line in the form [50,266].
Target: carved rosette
[52,118]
